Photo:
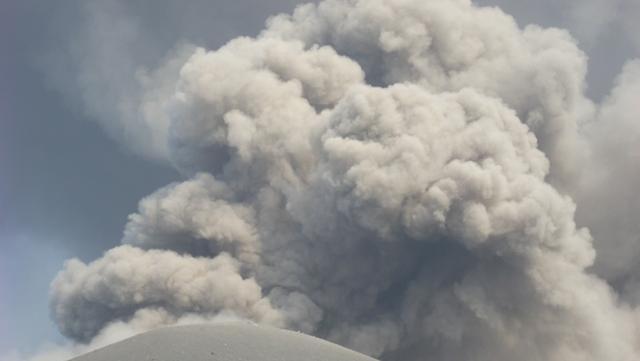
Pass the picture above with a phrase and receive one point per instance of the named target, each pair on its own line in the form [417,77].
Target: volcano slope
[235,341]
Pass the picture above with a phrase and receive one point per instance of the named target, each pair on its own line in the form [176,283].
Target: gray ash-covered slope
[223,342]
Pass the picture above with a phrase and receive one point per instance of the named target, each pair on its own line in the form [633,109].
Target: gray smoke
[608,195]
[395,176]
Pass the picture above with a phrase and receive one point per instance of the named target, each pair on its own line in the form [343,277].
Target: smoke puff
[609,194]
[128,278]
[450,45]
[381,174]
[197,216]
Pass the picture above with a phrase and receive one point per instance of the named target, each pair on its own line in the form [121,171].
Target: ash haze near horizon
[410,179]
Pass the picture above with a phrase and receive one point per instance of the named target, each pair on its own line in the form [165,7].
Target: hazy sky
[66,187]
[53,160]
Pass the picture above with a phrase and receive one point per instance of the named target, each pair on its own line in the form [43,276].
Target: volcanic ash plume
[382,174]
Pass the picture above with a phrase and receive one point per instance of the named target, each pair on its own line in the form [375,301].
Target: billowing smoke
[395,176]
[608,197]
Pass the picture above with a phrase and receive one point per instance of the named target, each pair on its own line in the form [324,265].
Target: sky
[69,177]
[55,156]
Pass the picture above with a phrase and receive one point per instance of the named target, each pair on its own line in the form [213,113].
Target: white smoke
[394,176]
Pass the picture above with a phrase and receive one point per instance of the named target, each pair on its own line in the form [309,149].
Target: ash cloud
[395,176]
[608,193]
